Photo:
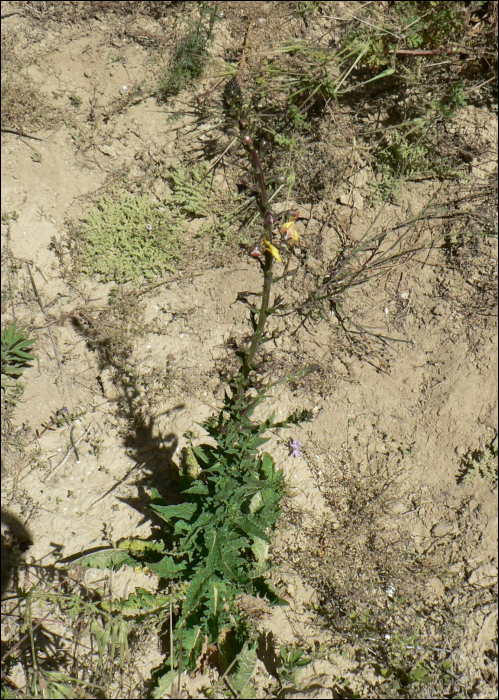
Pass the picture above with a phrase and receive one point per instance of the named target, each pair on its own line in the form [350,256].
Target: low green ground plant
[129,237]
[191,54]
[481,464]
[15,356]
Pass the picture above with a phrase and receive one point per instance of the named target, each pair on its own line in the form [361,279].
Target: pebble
[439,309]
[356,200]
[441,529]
[107,150]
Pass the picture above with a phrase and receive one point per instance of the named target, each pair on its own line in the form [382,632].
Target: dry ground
[377,516]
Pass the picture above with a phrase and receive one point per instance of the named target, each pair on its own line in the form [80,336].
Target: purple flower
[295,447]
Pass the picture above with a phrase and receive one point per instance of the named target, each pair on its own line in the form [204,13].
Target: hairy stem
[267,280]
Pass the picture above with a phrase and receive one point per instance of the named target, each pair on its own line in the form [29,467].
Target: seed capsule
[255,251]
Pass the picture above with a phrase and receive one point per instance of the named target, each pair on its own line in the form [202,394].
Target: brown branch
[7,130]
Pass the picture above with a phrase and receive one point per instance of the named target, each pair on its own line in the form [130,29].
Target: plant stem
[247,365]
[261,183]
[262,319]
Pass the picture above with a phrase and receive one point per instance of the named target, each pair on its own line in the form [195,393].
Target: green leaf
[249,527]
[419,674]
[168,568]
[164,684]
[139,546]
[106,559]
[199,452]
[243,670]
[260,550]
[197,489]
[203,522]
[183,510]
[144,601]
[268,465]
[196,591]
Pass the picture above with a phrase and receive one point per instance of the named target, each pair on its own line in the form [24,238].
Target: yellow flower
[289,233]
[271,249]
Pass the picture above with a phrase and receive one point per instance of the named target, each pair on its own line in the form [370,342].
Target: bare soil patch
[387,546]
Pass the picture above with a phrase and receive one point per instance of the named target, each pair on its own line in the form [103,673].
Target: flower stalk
[268,260]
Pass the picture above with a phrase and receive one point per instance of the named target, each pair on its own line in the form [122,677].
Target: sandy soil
[392,428]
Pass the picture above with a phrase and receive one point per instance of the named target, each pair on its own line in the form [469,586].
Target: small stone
[399,508]
[439,309]
[88,73]
[109,388]
[442,529]
[107,150]
[354,200]
[361,178]
[358,201]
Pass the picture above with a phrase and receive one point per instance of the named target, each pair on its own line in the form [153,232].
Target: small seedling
[15,358]
[76,101]
[481,464]
[291,662]
[62,417]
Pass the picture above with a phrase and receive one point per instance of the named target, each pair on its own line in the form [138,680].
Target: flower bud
[255,251]
[264,145]
[247,139]
[270,219]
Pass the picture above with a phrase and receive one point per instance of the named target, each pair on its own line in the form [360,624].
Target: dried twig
[71,449]
[118,483]
[17,132]
[59,364]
